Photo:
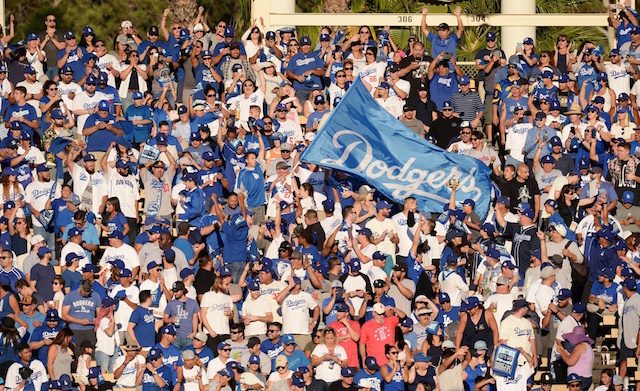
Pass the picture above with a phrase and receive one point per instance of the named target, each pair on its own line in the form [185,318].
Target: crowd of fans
[160,231]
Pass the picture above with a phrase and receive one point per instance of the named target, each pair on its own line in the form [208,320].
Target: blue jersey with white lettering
[271,349]
[101,139]
[623,32]
[144,328]
[112,96]
[442,88]
[235,231]
[140,132]
[172,358]
[75,61]
[149,382]
[299,64]
[439,45]
[205,355]
[41,333]
[375,380]
[252,180]
[27,111]
[510,105]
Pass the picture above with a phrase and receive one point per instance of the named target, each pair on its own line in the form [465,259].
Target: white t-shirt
[191,381]
[33,88]
[504,303]
[37,194]
[71,247]
[519,380]
[128,377]
[82,101]
[517,333]
[544,296]
[258,307]
[115,65]
[98,189]
[325,371]
[126,253]
[401,225]
[255,99]
[37,378]
[377,229]
[34,156]
[270,292]
[105,343]
[516,137]
[618,78]
[352,284]
[216,303]
[126,189]
[295,313]
[65,90]
[124,311]
[373,73]
[393,105]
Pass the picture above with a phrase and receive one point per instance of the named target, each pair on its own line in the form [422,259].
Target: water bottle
[177,322]
[331,364]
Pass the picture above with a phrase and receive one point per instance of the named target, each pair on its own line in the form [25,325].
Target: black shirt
[204,281]
[444,129]
[424,110]
[418,75]
[337,386]
[521,192]
[318,235]
[524,240]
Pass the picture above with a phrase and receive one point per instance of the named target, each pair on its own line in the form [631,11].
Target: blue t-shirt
[205,355]
[171,358]
[82,308]
[396,383]
[252,180]
[235,231]
[41,333]
[14,274]
[112,96]
[89,236]
[27,111]
[623,33]
[442,88]
[71,278]
[39,316]
[214,240]
[271,349]
[608,295]
[315,117]
[296,360]
[299,64]
[140,132]
[74,61]
[439,45]
[101,139]
[149,382]
[117,224]
[144,328]
[444,318]
[375,379]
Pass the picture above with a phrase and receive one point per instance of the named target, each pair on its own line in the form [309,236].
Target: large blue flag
[362,139]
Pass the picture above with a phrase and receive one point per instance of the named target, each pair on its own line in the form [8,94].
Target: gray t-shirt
[484,155]
[630,321]
[402,303]
[415,125]
[157,201]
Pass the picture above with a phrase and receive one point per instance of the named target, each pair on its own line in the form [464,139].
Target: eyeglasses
[175,28]
[235,332]
[100,46]
[211,95]
[341,75]
[248,85]
[51,20]
[226,349]
[53,89]
[272,331]
[267,123]
[348,69]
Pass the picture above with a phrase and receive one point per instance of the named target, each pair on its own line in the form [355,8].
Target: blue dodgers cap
[117,263]
[464,80]
[554,105]
[328,205]
[57,114]
[26,134]
[168,329]
[371,363]
[305,40]
[490,36]
[547,75]
[551,202]
[573,377]
[74,231]
[91,80]
[528,213]
[32,37]
[421,357]
[222,345]
[29,70]
[598,99]
[137,95]
[297,382]
[548,159]
[627,197]
[383,205]
[366,232]
[469,202]
[87,30]
[8,171]
[607,234]
[564,294]
[492,253]
[156,229]
[225,372]
[452,260]
[583,163]
[508,264]
[43,250]
[446,105]
[488,228]
[108,302]
[325,37]
[623,96]
[124,273]
[69,35]
[528,41]
[629,283]
[208,156]
[168,253]
[155,353]
[355,265]
[103,105]
[443,297]
[186,272]
[288,339]
[15,125]
[9,204]
[580,308]
[602,76]
[472,302]
[503,200]
[303,369]
[116,234]
[554,141]
[270,35]
[88,268]
[627,272]
[231,365]
[94,372]
[195,136]
[341,307]
[319,100]
[122,141]
[12,143]
[225,271]
[229,32]
[182,109]
[519,304]
[384,85]
[347,372]
[254,359]
[66,69]
[42,167]
[253,285]
[563,78]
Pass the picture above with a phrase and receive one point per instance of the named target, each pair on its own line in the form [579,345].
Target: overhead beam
[409,20]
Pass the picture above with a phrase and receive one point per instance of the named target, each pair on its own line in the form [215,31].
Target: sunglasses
[53,89]
[466,133]
[211,95]
[51,20]
[279,368]
[317,336]
[491,40]
[512,67]
[226,349]
[341,75]
[348,69]
[268,123]
[56,283]
[175,28]
[544,56]
[222,25]
[369,54]
[247,85]
[235,332]
[272,331]
[100,46]
[447,109]
[394,352]
[474,139]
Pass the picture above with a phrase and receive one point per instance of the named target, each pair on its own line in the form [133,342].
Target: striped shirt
[469,104]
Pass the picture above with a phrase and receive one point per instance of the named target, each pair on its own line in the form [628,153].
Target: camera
[447,55]
[496,53]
